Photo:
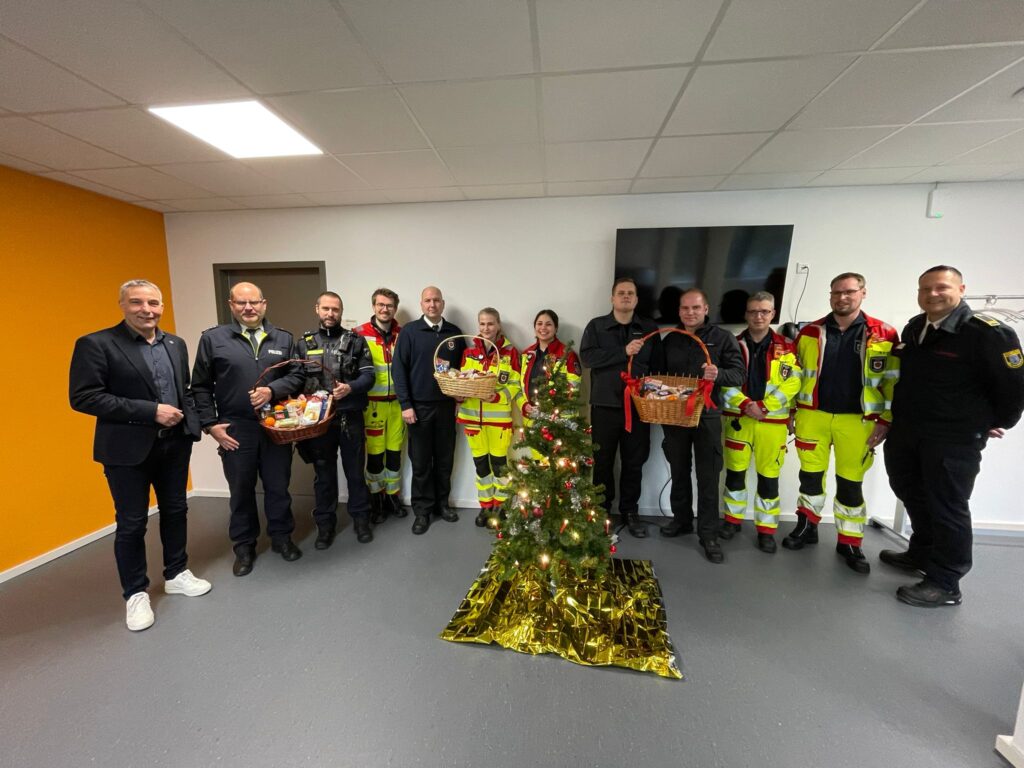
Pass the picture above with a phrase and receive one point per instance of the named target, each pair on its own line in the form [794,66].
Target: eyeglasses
[760,312]
[244,304]
[844,294]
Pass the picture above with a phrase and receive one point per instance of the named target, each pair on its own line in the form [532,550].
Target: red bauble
[538,512]
[568,484]
[613,549]
[500,535]
[588,430]
[552,392]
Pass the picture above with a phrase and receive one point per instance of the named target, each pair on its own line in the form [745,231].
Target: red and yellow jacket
[782,382]
[497,412]
[879,372]
[555,354]
[380,350]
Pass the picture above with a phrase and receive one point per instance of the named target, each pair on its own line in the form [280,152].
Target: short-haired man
[347,373]
[843,405]
[608,343]
[228,364]
[134,379]
[961,382]
[428,413]
[699,447]
[757,415]
[385,430]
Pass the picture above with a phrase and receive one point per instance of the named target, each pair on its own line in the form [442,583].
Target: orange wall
[65,252]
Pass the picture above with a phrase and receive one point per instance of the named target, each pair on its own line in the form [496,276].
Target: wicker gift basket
[680,411]
[297,434]
[481,387]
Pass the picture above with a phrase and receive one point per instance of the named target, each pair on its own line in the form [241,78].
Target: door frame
[222,272]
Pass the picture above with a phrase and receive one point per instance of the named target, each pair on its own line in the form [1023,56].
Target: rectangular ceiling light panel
[240,128]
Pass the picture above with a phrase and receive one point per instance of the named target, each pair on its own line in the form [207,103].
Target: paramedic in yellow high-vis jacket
[756,417]
[843,405]
[488,423]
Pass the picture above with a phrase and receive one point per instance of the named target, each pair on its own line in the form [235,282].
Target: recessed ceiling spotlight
[240,128]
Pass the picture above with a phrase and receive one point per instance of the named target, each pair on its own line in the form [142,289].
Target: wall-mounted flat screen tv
[729,263]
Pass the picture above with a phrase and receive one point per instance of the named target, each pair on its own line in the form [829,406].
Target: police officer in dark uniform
[348,375]
[961,382]
[229,361]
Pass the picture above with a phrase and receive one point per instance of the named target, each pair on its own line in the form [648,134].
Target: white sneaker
[187,584]
[140,614]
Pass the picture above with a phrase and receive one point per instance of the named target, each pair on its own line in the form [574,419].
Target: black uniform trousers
[608,430]
[432,454]
[344,436]
[257,455]
[934,480]
[166,470]
[697,447]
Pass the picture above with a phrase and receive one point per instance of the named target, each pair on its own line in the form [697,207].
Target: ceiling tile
[955,22]
[515,164]
[861,177]
[959,173]
[755,28]
[135,134]
[896,88]
[32,84]
[120,46]
[700,155]
[144,182]
[275,201]
[436,195]
[1006,150]
[476,113]
[751,96]
[203,204]
[592,160]
[308,174]
[573,188]
[231,178]
[92,186]
[767,180]
[500,191]
[352,121]
[21,165]
[445,39]
[153,205]
[274,46]
[596,34]
[811,150]
[357,197]
[397,170]
[685,184]
[609,105]
[929,144]
[990,101]
[38,144]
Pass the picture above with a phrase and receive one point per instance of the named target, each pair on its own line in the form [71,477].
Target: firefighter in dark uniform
[961,381]
[348,375]
[228,363]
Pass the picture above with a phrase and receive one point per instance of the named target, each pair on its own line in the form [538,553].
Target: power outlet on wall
[802,269]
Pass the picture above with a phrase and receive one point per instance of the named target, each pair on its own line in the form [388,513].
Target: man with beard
[347,373]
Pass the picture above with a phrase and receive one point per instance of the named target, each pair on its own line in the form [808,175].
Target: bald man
[428,413]
[230,359]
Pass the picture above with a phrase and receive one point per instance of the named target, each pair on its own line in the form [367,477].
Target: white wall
[522,255]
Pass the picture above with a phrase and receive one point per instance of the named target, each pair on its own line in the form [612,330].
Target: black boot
[325,537]
[393,504]
[364,535]
[805,532]
[636,529]
[483,517]
[378,512]
[728,530]
[854,557]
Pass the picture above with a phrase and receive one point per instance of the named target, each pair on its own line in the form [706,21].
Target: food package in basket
[296,412]
[655,389]
[452,373]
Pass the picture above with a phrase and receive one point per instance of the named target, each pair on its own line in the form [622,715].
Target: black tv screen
[729,263]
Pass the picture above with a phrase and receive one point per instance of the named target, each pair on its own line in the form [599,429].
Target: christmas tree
[554,523]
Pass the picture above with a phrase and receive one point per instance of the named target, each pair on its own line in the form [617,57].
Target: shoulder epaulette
[986,319]
[211,328]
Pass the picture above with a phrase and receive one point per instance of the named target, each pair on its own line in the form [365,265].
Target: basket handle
[463,336]
[316,365]
[695,337]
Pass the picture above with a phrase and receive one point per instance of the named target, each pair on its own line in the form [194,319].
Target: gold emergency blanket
[617,621]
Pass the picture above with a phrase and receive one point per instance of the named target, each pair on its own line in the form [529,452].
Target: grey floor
[334,660]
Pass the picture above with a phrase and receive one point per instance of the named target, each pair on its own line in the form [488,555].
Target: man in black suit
[135,379]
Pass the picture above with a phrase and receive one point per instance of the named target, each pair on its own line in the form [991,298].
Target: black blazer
[110,380]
